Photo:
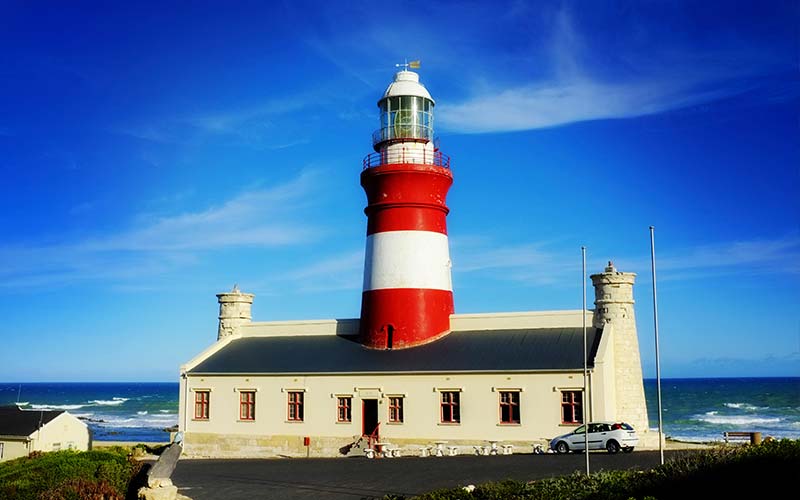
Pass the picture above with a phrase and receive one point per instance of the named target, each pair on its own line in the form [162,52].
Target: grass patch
[70,475]
[751,472]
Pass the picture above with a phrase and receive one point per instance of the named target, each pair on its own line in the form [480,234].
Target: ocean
[114,411]
[700,410]
[697,410]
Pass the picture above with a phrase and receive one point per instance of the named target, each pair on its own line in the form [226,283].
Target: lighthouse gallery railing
[416,156]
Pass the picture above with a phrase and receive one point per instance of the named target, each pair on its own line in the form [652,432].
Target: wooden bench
[738,437]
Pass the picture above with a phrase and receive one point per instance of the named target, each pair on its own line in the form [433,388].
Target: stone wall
[200,445]
[234,311]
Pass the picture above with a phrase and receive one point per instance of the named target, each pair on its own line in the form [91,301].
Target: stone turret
[234,311]
[614,308]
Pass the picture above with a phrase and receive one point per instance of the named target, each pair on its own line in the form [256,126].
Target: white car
[609,436]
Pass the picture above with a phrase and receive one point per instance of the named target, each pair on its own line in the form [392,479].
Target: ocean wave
[744,406]
[736,419]
[56,407]
[141,412]
[151,421]
[111,402]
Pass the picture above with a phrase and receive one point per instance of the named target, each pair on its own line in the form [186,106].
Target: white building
[25,431]
[410,372]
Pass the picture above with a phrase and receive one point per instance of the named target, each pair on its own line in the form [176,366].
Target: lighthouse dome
[406,83]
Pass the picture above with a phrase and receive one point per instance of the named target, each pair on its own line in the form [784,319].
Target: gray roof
[546,349]
[16,422]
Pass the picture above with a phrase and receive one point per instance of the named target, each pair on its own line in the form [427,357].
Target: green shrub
[725,472]
[67,475]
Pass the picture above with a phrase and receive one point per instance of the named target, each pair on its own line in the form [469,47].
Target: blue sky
[154,154]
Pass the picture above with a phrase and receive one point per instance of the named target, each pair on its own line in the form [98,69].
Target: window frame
[295,401]
[450,406]
[510,406]
[202,404]
[396,407]
[344,409]
[572,404]
[247,408]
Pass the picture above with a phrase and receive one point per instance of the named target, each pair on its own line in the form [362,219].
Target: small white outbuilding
[25,431]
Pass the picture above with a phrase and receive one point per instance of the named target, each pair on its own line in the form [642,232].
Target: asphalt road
[357,477]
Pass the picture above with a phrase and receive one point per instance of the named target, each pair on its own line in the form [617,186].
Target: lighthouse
[407,297]
[410,371]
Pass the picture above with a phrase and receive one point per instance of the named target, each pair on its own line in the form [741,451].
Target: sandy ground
[684,445]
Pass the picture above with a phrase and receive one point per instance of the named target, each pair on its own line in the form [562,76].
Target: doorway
[369,416]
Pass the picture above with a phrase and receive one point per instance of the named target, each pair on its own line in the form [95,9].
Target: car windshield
[579,430]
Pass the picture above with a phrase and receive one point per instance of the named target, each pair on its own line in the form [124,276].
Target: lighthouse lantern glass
[406,117]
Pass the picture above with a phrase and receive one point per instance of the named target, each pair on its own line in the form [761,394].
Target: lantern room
[406,111]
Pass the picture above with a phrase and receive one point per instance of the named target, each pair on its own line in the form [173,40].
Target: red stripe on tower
[408,294]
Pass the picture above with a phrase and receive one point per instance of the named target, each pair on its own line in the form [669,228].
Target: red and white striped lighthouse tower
[408,294]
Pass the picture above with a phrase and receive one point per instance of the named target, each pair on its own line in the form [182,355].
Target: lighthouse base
[400,318]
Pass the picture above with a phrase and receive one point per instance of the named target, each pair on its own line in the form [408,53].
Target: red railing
[417,156]
[373,438]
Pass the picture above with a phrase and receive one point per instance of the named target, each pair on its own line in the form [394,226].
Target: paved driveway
[357,477]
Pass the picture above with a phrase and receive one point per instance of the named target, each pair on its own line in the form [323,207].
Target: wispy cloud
[263,218]
[260,125]
[546,263]
[555,103]
[342,271]
[531,263]
[747,257]
[571,93]
[253,218]
[232,121]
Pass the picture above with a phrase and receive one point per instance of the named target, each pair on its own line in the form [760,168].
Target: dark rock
[166,463]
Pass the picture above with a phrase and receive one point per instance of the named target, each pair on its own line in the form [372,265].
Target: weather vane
[406,65]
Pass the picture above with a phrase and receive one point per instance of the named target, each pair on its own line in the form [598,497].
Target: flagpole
[658,357]
[585,364]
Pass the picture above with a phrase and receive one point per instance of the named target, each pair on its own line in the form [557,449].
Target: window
[451,412]
[509,407]
[247,405]
[295,406]
[201,403]
[344,409]
[572,407]
[396,409]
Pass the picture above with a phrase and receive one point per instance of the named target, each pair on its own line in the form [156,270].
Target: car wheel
[612,447]
[628,449]
[562,447]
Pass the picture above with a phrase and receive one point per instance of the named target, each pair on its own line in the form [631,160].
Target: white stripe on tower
[407,259]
